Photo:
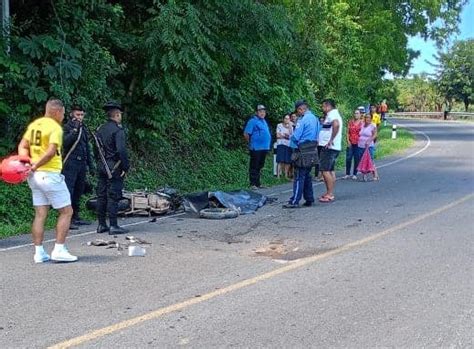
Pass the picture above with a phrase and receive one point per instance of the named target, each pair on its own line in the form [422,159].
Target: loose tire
[218,213]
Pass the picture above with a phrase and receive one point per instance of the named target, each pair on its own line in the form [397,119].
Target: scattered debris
[136,251]
[134,239]
[100,242]
[130,244]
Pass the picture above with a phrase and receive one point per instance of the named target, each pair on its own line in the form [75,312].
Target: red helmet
[15,169]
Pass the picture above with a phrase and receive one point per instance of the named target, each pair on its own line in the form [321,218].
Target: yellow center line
[248,282]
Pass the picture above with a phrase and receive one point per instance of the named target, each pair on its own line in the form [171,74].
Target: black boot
[102,228]
[115,230]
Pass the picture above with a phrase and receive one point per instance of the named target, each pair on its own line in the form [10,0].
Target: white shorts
[49,189]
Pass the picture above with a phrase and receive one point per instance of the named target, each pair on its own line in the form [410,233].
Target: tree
[418,93]
[190,72]
[456,72]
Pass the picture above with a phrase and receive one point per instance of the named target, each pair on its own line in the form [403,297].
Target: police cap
[112,105]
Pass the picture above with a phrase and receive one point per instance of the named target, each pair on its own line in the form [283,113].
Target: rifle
[100,150]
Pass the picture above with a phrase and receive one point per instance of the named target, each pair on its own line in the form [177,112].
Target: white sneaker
[354,177]
[346,177]
[62,255]
[41,257]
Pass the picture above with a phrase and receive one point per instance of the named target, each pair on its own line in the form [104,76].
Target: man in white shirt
[330,138]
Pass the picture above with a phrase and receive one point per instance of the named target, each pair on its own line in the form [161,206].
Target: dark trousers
[109,193]
[302,186]
[74,172]
[257,161]
[352,153]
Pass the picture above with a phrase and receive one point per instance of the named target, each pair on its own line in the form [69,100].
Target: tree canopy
[190,72]
[456,72]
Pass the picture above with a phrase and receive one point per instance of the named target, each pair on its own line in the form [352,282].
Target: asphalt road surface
[388,264]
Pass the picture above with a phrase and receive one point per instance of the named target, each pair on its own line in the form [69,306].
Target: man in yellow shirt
[42,142]
[376,120]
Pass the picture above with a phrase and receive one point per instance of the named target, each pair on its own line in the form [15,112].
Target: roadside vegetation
[189,74]
[224,170]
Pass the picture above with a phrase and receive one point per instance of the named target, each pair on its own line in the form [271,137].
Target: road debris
[132,243]
[100,242]
[137,240]
[136,251]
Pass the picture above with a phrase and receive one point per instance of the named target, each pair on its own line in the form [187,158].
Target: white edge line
[428,143]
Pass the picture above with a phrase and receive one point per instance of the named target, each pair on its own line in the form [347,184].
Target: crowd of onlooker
[360,132]
[362,126]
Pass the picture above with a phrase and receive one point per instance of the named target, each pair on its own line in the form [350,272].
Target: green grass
[387,146]
[219,170]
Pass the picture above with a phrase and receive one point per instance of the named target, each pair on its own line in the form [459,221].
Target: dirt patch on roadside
[288,250]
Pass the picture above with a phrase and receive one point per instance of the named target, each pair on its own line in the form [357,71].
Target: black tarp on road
[244,201]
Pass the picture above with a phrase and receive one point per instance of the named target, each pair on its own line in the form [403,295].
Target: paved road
[388,264]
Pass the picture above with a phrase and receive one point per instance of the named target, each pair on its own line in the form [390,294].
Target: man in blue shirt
[257,134]
[304,140]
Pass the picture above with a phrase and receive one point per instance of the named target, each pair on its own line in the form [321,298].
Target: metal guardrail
[435,114]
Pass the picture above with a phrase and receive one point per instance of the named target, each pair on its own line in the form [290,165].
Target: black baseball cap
[112,105]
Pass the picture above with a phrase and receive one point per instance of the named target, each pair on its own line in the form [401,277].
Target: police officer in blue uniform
[257,134]
[77,160]
[112,165]
[304,143]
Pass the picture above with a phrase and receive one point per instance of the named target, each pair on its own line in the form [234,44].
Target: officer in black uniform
[112,144]
[76,161]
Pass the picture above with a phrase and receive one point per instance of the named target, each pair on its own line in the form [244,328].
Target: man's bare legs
[60,252]
[329,179]
[62,226]
[37,229]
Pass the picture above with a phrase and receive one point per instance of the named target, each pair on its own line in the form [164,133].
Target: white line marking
[428,143]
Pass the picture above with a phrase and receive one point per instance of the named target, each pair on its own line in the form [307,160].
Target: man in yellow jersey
[376,120]
[42,142]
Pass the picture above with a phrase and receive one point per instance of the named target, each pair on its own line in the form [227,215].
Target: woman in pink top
[367,134]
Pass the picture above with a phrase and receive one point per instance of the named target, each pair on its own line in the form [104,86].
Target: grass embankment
[223,170]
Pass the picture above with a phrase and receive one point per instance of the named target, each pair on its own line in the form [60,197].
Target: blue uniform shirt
[307,129]
[259,133]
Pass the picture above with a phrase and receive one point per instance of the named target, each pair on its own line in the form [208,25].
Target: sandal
[326,198]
